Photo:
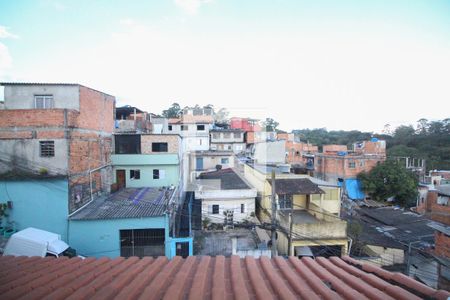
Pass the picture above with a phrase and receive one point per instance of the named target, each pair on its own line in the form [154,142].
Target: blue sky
[308,64]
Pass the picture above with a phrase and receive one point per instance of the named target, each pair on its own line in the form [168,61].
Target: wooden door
[120,178]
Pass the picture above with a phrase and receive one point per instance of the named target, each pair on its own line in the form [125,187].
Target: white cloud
[6,34]
[191,6]
[5,56]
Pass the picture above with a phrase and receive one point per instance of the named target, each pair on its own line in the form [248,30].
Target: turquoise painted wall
[146,163]
[171,175]
[101,237]
[40,203]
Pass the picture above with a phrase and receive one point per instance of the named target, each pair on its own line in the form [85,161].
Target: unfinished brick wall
[37,118]
[295,151]
[96,110]
[173,142]
[442,244]
[86,153]
[331,167]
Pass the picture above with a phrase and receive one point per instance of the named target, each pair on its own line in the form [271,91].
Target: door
[121,179]
[182,249]
[199,163]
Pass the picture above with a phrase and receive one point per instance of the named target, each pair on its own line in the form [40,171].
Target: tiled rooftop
[127,203]
[204,277]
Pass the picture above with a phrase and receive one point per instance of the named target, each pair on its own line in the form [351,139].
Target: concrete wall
[235,147]
[40,203]
[387,256]
[210,161]
[228,204]
[24,155]
[270,152]
[196,143]
[227,137]
[22,96]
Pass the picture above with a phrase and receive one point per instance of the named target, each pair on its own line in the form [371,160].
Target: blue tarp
[354,190]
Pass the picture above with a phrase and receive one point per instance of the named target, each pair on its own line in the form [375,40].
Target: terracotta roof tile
[204,278]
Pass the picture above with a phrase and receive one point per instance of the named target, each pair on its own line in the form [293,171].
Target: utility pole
[274,217]
[290,252]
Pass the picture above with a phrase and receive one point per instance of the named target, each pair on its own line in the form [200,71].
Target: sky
[341,65]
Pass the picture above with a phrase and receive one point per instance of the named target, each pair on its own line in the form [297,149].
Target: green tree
[270,124]
[390,179]
[173,111]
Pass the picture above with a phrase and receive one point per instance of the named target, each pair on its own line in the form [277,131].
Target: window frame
[155,176]
[44,152]
[135,174]
[160,145]
[45,98]
[212,209]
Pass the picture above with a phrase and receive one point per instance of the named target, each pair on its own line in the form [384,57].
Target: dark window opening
[170,127]
[285,201]
[142,242]
[47,148]
[156,174]
[200,127]
[242,208]
[215,209]
[184,127]
[128,144]
[135,174]
[159,147]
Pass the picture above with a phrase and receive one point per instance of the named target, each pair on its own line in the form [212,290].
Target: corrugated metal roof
[229,180]
[127,203]
[296,186]
[204,277]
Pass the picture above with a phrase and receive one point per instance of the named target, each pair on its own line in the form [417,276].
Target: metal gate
[142,242]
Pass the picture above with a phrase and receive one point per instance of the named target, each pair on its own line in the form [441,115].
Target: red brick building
[58,130]
[337,161]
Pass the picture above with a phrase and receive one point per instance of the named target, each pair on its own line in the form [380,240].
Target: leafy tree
[173,111]
[270,124]
[390,179]
[221,116]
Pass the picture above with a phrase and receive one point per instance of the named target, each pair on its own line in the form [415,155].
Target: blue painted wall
[102,238]
[40,203]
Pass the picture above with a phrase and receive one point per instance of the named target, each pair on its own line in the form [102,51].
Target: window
[226,135]
[216,135]
[135,174]
[201,127]
[285,201]
[128,143]
[43,101]
[215,209]
[170,127]
[242,208]
[47,148]
[159,174]
[159,147]
[237,135]
[229,147]
[184,127]
[224,160]
[351,164]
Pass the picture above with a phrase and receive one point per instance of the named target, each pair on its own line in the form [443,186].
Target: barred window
[47,148]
